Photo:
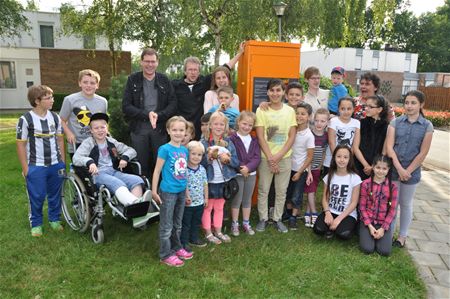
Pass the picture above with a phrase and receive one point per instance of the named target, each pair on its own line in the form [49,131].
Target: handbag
[230,187]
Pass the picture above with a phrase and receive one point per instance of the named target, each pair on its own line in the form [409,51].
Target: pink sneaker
[173,261]
[184,255]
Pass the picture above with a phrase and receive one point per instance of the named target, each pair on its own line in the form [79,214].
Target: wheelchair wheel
[75,203]
[97,234]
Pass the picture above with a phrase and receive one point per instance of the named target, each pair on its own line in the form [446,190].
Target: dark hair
[305,106]
[333,166]
[388,161]
[346,98]
[275,82]
[381,102]
[205,118]
[309,72]
[419,96]
[294,85]
[37,92]
[369,76]
[149,51]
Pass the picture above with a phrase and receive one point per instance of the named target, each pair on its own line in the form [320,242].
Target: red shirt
[373,204]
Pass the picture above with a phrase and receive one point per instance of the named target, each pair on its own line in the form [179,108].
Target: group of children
[289,150]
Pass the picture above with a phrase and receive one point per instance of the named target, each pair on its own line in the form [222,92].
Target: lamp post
[279,7]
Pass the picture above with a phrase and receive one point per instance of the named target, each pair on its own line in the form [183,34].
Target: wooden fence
[437,98]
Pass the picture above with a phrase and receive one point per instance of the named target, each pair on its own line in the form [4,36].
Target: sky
[417,7]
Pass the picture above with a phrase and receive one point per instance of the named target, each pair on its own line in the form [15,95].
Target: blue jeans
[295,190]
[113,179]
[192,218]
[42,182]
[170,215]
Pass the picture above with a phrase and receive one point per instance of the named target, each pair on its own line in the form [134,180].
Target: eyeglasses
[49,98]
[370,107]
[314,78]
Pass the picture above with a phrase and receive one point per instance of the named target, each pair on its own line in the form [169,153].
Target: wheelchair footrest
[136,210]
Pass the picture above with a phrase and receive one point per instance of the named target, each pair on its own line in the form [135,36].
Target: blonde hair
[245,114]
[323,111]
[192,145]
[89,73]
[190,128]
[194,60]
[175,119]
[36,92]
[214,116]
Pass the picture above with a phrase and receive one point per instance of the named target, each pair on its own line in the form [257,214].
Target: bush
[437,118]
[118,127]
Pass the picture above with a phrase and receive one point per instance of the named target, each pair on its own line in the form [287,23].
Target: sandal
[223,238]
[211,238]
[398,244]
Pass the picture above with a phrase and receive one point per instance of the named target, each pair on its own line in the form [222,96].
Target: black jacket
[133,100]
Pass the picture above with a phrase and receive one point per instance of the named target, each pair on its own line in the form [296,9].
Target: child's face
[275,94]
[345,110]
[372,110]
[314,81]
[302,116]
[337,79]
[88,85]
[380,170]
[294,96]
[99,129]
[195,156]
[177,131]
[412,106]
[320,122]
[45,102]
[187,137]
[342,158]
[204,128]
[245,126]
[225,98]
[221,79]
[217,127]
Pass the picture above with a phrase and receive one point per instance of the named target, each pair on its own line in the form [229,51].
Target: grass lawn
[268,265]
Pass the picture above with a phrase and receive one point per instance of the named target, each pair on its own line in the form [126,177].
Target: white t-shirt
[218,176]
[341,188]
[345,133]
[304,140]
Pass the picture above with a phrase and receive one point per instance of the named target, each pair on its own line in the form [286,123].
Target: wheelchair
[83,203]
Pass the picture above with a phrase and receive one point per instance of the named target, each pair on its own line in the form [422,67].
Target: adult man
[148,102]
[190,90]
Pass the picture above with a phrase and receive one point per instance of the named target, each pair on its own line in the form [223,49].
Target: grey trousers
[369,245]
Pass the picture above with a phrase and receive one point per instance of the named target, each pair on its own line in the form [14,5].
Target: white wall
[32,38]
[16,98]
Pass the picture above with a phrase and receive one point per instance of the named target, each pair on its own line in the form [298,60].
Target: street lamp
[279,7]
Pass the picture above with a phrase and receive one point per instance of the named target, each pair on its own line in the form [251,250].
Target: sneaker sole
[185,258]
[172,265]
[198,245]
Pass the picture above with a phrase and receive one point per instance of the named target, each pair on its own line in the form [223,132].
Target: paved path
[429,235]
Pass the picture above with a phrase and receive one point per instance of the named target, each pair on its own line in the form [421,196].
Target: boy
[321,142]
[77,108]
[40,148]
[302,155]
[196,197]
[105,157]
[205,124]
[338,90]
[225,96]
[294,94]
[189,135]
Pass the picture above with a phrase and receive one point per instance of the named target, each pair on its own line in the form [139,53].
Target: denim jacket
[229,170]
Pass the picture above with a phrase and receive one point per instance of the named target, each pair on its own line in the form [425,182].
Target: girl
[249,154]
[343,130]
[275,129]
[340,197]
[220,162]
[373,134]
[407,143]
[321,142]
[172,163]
[220,78]
[377,208]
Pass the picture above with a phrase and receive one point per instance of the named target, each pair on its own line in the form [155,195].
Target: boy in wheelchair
[105,159]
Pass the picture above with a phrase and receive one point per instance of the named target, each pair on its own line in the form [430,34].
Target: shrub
[437,118]
[118,127]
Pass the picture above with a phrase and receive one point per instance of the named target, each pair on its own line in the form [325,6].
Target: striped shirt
[321,143]
[40,134]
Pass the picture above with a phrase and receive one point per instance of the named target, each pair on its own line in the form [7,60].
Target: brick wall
[59,68]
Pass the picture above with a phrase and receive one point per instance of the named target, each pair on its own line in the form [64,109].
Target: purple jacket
[250,159]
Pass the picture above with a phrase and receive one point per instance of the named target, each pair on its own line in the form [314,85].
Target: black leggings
[344,230]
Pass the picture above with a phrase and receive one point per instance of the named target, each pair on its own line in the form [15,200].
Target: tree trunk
[217,47]
[113,53]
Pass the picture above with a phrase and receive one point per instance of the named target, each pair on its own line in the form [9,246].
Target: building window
[407,62]
[29,83]
[375,60]
[358,59]
[409,85]
[47,40]
[89,42]
[7,74]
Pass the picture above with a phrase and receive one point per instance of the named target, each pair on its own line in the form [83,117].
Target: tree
[13,22]
[103,18]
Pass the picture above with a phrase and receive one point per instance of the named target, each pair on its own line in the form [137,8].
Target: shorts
[311,188]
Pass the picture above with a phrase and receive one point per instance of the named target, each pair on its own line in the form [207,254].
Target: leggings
[215,204]
[405,203]
[244,195]
[344,230]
